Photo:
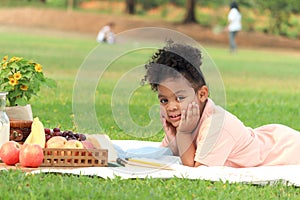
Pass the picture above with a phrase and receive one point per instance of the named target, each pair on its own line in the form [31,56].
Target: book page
[103,141]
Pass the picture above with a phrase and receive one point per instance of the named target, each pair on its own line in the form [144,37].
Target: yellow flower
[4,58]
[13,81]
[24,87]
[17,75]
[38,67]
[4,65]
[14,59]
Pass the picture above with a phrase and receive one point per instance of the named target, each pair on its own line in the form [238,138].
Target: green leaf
[15,93]
[50,83]
[21,102]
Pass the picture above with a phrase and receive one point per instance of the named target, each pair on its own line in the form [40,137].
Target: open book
[144,162]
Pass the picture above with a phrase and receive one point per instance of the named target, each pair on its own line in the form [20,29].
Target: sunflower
[38,67]
[13,81]
[17,76]
[13,59]
[4,65]
[24,87]
[4,58]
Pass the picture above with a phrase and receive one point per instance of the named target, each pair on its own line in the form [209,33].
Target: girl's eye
[180,98]
[163,101]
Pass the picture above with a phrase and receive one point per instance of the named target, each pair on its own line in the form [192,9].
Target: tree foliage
[280,12]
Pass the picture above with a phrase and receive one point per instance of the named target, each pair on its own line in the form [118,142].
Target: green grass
[261,87]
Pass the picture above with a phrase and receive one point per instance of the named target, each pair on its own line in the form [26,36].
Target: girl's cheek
[163,111]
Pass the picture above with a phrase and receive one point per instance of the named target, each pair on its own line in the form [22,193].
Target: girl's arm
[186,149]
[184,136]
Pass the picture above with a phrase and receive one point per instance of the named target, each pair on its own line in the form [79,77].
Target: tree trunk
[190,16]
[43,1]
[130,7]
[70,5]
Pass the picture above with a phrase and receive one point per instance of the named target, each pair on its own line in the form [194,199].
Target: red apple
[56,142]
[88,144]
[31,155]
[9,152]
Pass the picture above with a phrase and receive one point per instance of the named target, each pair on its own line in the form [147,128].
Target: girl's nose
[173,105]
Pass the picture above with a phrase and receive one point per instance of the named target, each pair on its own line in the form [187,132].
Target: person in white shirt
[106,34]
[234,24]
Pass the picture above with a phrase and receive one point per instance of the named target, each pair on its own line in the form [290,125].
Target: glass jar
[4,121]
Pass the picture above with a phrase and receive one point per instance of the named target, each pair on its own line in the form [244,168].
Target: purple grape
[48,137]
[70,133]
[47,131]
[81,137]
[65,133]
[56,129]
[57,133]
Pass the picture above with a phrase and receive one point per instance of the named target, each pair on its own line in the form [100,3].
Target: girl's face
[175,95]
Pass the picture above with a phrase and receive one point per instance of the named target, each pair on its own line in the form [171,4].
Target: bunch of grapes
[69,135]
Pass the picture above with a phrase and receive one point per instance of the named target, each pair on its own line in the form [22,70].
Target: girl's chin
[175,124]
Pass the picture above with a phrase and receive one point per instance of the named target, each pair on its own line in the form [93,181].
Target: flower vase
[19,112]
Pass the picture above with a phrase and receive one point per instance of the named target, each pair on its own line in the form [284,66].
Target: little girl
[202,133]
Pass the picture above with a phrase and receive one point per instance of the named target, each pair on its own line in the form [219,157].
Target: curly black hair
[172,61]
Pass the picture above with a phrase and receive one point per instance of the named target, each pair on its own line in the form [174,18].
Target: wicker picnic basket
[62,157]
[19,130]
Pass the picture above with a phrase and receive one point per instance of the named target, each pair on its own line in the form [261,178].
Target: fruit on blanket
[88,144]
[73,144]
[56,129]
[37,134]
[57,133]
[56,142]
[9,152]
[31,155]
[69,135]
[81,137]
[94,141]
[48,137]
[47,131]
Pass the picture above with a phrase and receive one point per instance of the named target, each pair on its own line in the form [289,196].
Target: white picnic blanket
[255,175]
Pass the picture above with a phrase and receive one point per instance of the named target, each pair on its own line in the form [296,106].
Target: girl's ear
[202,93]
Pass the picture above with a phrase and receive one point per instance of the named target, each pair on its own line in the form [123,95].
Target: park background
[261,81]
[265,23]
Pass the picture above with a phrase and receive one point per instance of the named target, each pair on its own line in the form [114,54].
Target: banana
[37,134]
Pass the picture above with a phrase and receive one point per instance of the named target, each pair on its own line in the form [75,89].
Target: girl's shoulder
[219,120]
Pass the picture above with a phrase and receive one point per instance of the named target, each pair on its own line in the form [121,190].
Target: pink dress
[221,139]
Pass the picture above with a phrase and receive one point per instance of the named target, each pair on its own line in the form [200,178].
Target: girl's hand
[170,136]
[169,129]
[189,118]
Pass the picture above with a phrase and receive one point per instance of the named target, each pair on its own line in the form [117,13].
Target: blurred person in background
[234,25]
[106,35]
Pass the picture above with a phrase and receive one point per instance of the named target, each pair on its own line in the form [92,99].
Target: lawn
[261,87]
